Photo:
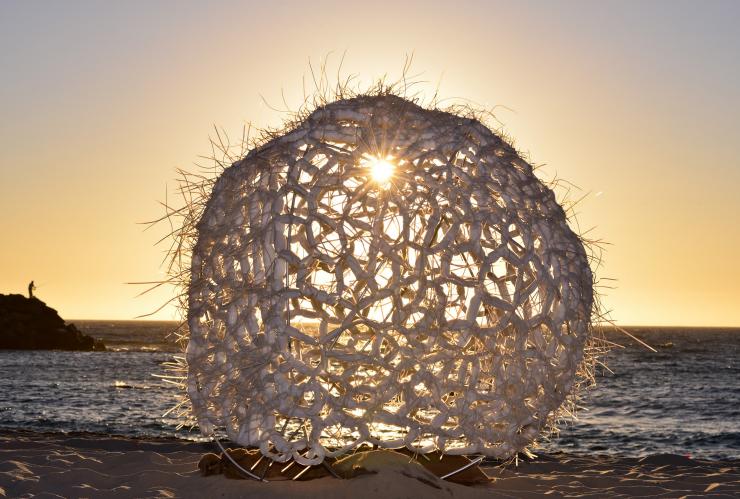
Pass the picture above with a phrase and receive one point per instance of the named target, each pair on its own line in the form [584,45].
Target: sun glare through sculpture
[380,169]
[450,312]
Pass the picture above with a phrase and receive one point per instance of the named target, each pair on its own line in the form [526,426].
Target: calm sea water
[684,399]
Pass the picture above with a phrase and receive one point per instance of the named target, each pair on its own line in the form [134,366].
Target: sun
[380,169]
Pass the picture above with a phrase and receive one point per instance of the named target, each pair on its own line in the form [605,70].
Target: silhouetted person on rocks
[31,287]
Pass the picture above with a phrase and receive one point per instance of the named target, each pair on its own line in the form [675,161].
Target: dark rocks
[28,324]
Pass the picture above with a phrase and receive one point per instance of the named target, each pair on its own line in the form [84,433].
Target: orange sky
[637,104]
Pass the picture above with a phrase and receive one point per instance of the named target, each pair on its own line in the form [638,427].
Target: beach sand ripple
[57,465]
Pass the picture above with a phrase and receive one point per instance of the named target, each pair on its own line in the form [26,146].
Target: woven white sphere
[387,274]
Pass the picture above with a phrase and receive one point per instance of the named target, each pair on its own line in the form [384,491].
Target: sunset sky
[637,103]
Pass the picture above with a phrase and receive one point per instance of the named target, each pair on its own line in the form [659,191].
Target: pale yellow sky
[637,104]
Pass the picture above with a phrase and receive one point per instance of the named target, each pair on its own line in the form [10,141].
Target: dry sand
[54,465]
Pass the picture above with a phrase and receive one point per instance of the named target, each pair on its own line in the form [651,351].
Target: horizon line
[607,325]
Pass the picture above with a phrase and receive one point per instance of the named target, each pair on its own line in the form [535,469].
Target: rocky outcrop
[28,324]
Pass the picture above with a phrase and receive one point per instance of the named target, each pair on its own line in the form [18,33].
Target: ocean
[683,399]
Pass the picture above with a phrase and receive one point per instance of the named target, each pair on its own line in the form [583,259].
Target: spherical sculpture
[387,274]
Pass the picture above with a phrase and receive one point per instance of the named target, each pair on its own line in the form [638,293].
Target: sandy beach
[58,465]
